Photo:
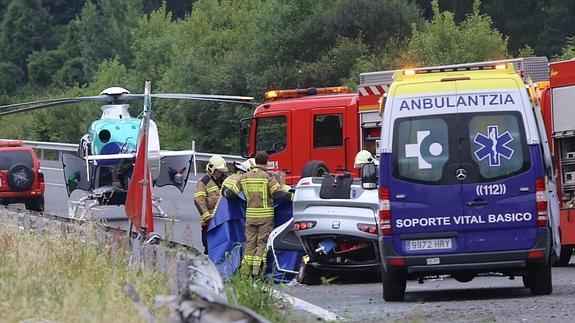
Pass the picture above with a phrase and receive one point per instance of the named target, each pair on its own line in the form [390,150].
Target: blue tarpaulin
[226,237]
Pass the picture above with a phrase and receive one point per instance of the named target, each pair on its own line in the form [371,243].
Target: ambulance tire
[394,283]
[540,280]
[314,168]
[527,281]
[564,257]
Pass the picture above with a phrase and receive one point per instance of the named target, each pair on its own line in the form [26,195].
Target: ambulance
[466,183]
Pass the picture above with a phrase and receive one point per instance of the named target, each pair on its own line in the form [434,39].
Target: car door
[328,140]
[75,173]
[424,193]
[499,187]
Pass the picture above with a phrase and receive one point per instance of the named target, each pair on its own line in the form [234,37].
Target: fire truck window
[327,130]
[271,134]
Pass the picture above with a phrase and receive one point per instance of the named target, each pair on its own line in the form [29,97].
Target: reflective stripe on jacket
[259,189]
[206,197]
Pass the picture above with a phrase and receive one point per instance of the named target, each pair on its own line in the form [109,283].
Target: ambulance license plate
[428,244]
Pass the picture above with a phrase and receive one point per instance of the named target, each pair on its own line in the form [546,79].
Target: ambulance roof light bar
[296,93]
[460,67]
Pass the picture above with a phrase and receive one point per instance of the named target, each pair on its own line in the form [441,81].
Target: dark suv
[21,180]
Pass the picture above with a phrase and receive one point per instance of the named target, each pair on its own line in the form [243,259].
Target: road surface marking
[51,168]
[55,184]
[308,307]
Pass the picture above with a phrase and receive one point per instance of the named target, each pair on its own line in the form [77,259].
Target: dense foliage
[60,48]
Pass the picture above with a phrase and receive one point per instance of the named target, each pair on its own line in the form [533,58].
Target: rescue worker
[259,189]
[242,168]
[363,157]
[207,193]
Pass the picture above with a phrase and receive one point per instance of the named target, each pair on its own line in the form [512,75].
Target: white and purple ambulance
[466,181]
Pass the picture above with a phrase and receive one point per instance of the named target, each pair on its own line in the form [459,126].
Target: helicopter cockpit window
[271,134]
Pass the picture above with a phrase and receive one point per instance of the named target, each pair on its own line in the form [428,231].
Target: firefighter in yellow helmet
[259,189]
[208,191]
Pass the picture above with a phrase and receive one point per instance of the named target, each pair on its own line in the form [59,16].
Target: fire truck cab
[309,132]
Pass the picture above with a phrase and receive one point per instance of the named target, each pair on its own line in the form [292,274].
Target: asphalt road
[484,299]
[181,225]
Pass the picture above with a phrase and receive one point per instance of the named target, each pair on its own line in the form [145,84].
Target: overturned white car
[334,217]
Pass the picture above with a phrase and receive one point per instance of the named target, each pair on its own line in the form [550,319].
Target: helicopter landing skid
[83,208]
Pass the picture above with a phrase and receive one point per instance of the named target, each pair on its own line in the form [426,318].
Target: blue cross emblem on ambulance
[493,145]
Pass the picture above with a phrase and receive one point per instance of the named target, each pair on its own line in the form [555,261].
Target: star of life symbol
[414,150]
[494,146]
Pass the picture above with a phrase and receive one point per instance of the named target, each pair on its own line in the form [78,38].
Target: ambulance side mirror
[369,176]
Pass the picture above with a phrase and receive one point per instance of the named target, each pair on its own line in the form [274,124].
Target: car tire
[564,257]
[314,168]
[540,280]
[36,204]
[394,283]
[309,275]
[20,177]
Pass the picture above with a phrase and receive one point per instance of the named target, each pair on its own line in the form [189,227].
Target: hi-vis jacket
[206,197]
[259,189]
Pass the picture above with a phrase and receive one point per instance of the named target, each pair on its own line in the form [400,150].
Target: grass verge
[75,279]
[256,294]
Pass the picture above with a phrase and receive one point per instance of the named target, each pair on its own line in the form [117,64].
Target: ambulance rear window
[497,144]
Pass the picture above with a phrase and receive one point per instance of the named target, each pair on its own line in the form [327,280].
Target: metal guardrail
[65,147]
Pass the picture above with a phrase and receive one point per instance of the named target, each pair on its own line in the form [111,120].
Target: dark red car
[21,180]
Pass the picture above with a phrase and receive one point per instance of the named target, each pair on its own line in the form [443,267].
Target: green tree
[443,41]
[568,51]
[25,27]
[11,77]
[104,30]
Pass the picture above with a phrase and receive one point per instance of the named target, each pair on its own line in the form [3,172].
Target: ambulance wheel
[394,283]
[314,168]
[308,275]
[564,257]
[527,281]
[540,280]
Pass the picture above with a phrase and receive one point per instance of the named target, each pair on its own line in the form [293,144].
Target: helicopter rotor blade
[106,98]
[185,96]
[35,105]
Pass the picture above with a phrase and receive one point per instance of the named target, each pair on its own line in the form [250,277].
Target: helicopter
[106,154]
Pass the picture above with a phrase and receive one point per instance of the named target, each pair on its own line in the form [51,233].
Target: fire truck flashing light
[296,93]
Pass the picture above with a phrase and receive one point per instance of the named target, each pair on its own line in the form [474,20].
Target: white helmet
[363,157]
[216,162]
[246,165]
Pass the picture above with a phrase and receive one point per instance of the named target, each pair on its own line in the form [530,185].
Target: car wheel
[394,283]
[20,177]
[540,280]
[564,257]
[308,275]
[36,204]
[314,168]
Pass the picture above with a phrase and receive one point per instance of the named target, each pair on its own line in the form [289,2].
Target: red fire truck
[316,130]
[557,99]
